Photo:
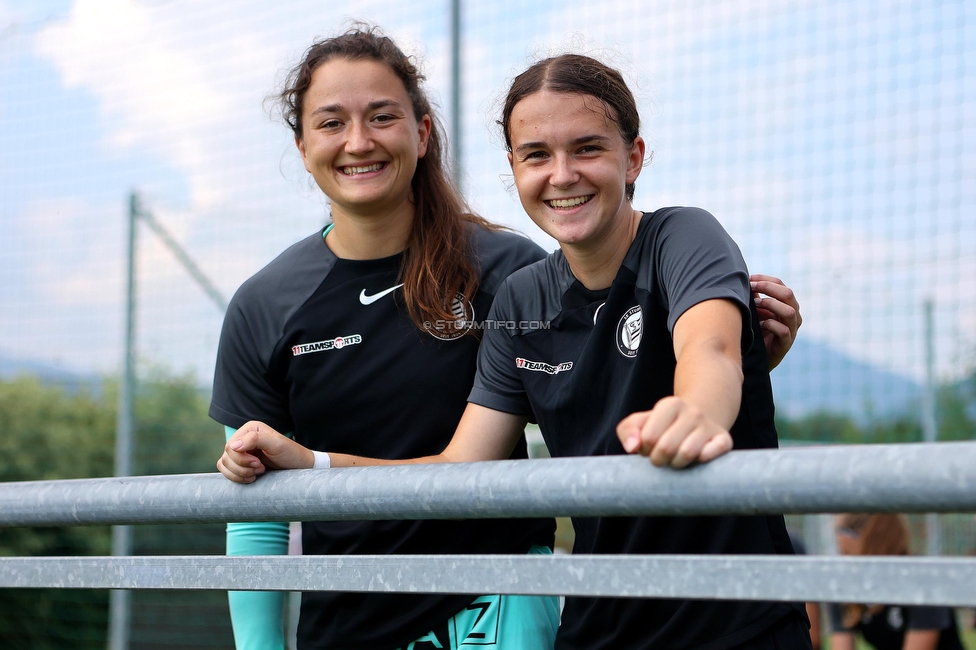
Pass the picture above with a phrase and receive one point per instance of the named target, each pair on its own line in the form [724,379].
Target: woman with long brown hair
[355,339]
[323,343]
[886,627]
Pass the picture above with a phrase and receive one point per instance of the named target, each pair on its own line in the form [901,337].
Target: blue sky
[834,140]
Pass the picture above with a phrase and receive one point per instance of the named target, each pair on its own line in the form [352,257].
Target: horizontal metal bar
[933,581]
[934,477]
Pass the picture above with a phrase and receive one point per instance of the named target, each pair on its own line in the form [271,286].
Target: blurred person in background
[813,609]
[886,627]
[704,295]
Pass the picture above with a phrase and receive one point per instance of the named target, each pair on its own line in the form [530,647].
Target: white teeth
[570,203]
[352,171]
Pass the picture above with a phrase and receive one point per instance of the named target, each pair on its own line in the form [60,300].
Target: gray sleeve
[698,261]
[242,388]
[500,253]
[496,383]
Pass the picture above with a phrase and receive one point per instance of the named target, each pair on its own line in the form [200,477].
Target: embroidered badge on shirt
[463,312]
[629,331]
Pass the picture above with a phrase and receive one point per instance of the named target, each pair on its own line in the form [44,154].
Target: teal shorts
[509,622]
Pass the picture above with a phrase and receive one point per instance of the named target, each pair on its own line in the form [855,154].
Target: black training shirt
[885,627]
[594,357]
[324,347]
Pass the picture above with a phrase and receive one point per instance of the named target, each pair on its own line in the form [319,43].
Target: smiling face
[360,139]
[571,168]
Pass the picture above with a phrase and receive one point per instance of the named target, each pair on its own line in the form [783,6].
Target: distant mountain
[813,377]
[816,377]
[49,373]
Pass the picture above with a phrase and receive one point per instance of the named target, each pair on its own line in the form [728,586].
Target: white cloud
[185,86]
[158,87]
[183,83]
[189,90]
[62,284]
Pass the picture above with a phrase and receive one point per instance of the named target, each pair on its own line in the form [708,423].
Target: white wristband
[322,460]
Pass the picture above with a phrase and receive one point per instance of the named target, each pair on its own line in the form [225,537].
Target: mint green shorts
[498,621]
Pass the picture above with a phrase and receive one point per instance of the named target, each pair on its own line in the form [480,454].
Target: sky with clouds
[834,140]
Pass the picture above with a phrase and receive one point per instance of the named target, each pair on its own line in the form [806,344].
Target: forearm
[349,460]
[257,616]
[692,425]
[842,641]
[921,640]
[813,613]
[482,434]
[709,376]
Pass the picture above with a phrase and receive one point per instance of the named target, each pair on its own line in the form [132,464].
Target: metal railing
[857,478]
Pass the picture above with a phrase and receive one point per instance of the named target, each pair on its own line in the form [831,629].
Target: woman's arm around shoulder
[779,315]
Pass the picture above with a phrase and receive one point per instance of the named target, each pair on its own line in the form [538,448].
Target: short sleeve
[699,261]
[243,389]
[501,253]
[496,384]
[929,618]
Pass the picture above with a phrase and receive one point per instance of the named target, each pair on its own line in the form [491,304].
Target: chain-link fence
[834,140]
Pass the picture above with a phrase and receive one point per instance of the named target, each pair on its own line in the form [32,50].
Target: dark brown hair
[876,535]
[576,73]
[437,264]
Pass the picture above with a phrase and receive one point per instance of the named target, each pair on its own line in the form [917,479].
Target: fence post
[930,426]
[456,90]
[119,600]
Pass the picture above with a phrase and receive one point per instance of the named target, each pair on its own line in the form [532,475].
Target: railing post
[119,600]
[930,425]
[456,90]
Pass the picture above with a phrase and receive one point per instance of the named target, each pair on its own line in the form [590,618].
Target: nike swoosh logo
[369,300]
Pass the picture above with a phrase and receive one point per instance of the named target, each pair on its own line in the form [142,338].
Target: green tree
[820,427]
[49,433]
[955,414]
[46,433]
[956,409]
[174,435]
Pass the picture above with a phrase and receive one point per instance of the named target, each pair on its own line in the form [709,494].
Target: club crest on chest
[463,312]
[630,330]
